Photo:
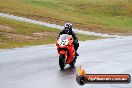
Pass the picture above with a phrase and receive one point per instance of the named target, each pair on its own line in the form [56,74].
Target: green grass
[111,13]
[20,31]
[24,27]
[19,34]
[107,16]
[87,37]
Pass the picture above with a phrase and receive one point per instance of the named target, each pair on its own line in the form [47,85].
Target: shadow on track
[68,71]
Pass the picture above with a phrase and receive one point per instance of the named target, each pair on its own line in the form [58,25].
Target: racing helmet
[68,27]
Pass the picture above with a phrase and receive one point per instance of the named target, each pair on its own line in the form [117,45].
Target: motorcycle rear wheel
[72,64]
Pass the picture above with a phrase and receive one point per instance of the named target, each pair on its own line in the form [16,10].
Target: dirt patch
[34,36]
[45,34]
[18,37]
[5,28]
[6,32]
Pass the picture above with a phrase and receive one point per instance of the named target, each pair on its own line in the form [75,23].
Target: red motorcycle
[66,50]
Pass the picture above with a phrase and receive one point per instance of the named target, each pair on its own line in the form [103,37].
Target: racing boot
[77,54]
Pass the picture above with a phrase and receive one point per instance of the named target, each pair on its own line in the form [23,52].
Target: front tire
[62,61]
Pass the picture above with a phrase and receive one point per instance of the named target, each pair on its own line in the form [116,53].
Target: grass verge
[105,16]
[19,34]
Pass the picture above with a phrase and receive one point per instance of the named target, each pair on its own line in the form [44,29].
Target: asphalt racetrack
[37,66]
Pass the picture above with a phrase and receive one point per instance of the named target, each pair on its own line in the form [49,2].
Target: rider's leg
[76,45]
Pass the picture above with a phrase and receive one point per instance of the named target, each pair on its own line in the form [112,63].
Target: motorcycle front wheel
[62,61]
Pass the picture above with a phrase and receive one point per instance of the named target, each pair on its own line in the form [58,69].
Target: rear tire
[62,61]
[72,64]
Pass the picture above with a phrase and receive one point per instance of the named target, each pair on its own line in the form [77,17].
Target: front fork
[64,53]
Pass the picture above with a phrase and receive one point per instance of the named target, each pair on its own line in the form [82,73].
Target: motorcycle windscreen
[64,36]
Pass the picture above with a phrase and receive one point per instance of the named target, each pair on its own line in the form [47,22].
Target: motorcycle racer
[68,30]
